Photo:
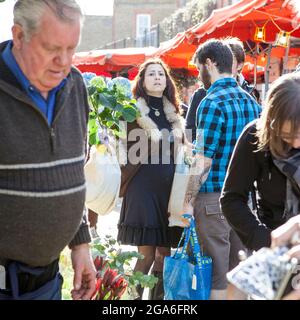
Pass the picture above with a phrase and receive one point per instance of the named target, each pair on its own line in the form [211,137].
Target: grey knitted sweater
[42,185]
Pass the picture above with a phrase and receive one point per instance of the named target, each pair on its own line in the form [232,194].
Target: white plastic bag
[103,180]
[178,191]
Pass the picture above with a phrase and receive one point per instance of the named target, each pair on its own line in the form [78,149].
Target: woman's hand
[188,209]
[288,233]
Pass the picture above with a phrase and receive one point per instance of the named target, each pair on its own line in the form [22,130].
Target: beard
[205,78]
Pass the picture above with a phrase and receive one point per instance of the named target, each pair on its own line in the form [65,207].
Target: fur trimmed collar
[145,122]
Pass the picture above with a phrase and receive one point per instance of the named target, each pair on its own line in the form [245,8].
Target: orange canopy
[104,62]
[238,20]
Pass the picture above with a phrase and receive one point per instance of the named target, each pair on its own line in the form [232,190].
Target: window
[143,22]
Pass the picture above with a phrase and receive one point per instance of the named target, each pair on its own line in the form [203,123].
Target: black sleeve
[192,113]
[239,182]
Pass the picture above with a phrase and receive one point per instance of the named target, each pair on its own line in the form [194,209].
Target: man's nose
[63,58]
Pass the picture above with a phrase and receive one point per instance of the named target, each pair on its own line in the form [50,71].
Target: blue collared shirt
[47,106]
[221,117]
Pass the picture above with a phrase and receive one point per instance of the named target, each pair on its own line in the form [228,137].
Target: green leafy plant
[65,266]
[110,104]
[109,258]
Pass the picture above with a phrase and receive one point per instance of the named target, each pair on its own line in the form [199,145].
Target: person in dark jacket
[43,129]
[266,162]
[237,48]
[147,175]
[190,123]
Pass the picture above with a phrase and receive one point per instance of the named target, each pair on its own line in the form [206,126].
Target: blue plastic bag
[188,278]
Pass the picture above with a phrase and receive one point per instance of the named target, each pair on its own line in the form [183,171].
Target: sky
[90,7]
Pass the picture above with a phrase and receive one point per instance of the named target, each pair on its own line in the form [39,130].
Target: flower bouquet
[110,103]
[115,276]
[109,284]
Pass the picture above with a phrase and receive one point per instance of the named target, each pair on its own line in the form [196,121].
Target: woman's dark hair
[282,105]
[170,91]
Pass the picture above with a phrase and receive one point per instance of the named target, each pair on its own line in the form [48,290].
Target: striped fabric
[43,180]
[221,117]
[42,183]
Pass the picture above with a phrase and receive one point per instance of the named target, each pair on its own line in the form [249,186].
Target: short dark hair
[237,48]
[218,52]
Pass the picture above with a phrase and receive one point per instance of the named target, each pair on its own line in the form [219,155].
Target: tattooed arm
[210,122]
[200,169]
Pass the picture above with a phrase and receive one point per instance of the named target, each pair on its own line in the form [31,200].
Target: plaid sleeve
[210,121]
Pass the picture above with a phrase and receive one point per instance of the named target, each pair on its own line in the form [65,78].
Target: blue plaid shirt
[221,117]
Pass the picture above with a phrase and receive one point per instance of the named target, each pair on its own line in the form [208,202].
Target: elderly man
[43,124]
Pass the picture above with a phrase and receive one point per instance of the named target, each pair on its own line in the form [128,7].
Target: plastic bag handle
[195,246]
[186,238]
[198,255]
[189,235]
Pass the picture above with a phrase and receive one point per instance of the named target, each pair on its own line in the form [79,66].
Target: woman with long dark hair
[149,170]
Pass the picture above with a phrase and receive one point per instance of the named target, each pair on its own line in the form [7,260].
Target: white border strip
[42,194]
[41,165]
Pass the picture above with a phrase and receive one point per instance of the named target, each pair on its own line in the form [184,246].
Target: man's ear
[240,67]
[209,64]
[18,35]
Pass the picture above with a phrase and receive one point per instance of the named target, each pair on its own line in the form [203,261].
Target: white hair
[28,13]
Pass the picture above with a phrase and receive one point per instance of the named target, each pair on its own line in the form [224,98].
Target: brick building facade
[132,17]
[96,32]
[129,21]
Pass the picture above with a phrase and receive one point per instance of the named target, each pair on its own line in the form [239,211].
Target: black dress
[144,212]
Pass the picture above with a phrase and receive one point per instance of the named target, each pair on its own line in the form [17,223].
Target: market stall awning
[238,20]
[111,60]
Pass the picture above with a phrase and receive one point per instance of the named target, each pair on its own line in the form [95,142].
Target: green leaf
[93,138]
[112,242]
[91,90]
[129,114]
[119,107]
[106,100]
[119,133]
